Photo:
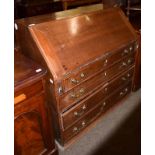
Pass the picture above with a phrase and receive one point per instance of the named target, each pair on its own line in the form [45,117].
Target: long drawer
[89,70]
[84,89]
[87,104]
[101,108]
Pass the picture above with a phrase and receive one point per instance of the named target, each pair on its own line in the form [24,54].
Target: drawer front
[27,92]
[81,91]
[116,96]
[80,125]
[101,108]
[87,104]
[79,76]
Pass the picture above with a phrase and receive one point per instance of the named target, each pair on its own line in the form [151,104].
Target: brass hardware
[19,98]
[83,123]
[80,113]
[105,62]
[105,89]
[121,93]
[128,75]
[74,81]
[82,75]
[124,79]
[75,129]
[131,48]
[126,51]
[124,64]
[104,103]
[82,90]
[73,95]
[129,61]
[84,107]
[126,89]
[137,45]
[76,113]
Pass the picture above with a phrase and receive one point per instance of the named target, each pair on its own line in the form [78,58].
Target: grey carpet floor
[96,137]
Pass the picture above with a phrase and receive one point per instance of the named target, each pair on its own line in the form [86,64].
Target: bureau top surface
[25,70]
[70,43]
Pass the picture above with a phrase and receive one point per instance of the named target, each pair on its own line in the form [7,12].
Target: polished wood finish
[99,109]
[88,59]
[100,65]
[98,80]
[33,134]
[103,91]
[76,39]
[23,24]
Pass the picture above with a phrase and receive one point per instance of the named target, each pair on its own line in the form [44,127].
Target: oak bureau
[32,127]
[90,60]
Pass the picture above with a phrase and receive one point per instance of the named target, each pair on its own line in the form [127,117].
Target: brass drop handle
[83,123]
[129,61]
[104,104]
[131,48]
[82,75]
[124,64]
[105,62]
[128,75]
[81,92]
[74,81]
[73,96]
[84,107]
[80,113]
[126,89]
[125,52]
[121,93]
[105,73]
[123,78]
[124,92]
[75,129]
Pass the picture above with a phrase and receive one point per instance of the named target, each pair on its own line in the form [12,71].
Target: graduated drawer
[87,104]
[99,64]
[81,91]
[102,107]
[27,92]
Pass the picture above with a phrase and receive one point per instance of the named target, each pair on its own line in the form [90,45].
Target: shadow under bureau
[90,60]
